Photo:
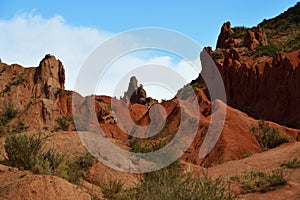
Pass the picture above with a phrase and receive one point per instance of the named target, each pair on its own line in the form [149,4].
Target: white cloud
[25,39]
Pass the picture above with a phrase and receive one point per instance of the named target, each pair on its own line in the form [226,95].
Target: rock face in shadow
[263,87]
[137,94]
[268,90]
[226,31]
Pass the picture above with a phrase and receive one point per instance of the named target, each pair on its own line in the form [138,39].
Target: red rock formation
[226,31]
[265,88]
[33,91]
[261,37]
[252,40]
[137,94]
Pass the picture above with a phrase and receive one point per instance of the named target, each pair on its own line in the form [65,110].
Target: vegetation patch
[239,32]
[111,189]
[217,55]
[251,181]
[139,146]
[8,113]
[268,137]
[27,152]
[284,29]
[170,183]
[63,123]
[267,50]
[292,164]
[16,81]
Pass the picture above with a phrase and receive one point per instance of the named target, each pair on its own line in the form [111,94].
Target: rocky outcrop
[226,31]
[261,36]
[49,77]
[34,91]
[254,39]
[265,87]
[250,41]
[136,94]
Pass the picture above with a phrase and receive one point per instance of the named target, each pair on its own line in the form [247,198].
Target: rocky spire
[226,31]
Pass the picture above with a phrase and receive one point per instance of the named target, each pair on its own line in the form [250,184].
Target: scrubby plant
[268,137]
[239,32]
[8,113]
[198,85]
[22,150]
[63,123]
[268,50]
[171,183]
[27,152]
[47,162]
[251,181]
[138,146]
[292,164]
[74,169]
[217,55]
[111,189]
[85,161]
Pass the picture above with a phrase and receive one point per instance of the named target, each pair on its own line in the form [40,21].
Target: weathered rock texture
[33,91]
[263,87]
[226,31]
[254,39]
[136,94]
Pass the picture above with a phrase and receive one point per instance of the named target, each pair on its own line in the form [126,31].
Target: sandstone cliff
[33,92]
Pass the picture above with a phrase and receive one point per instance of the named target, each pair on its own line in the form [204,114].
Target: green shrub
[27,152]
[268,50]
[217,55]
[251,181]
[198,85]
[111,189]
[70,171]
[47,162]
[239,32]
[170,183]
[22,150]
[138,146]
[268,137]
[74,169]
[8,113]
[292,164]
[63,123]
[293,44]
[85,161]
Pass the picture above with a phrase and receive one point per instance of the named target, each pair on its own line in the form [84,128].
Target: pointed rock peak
[49,76]
[136,94]
[225,34]
[51,70]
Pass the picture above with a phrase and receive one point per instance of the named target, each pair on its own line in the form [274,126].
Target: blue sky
[81,26]
[200,20]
